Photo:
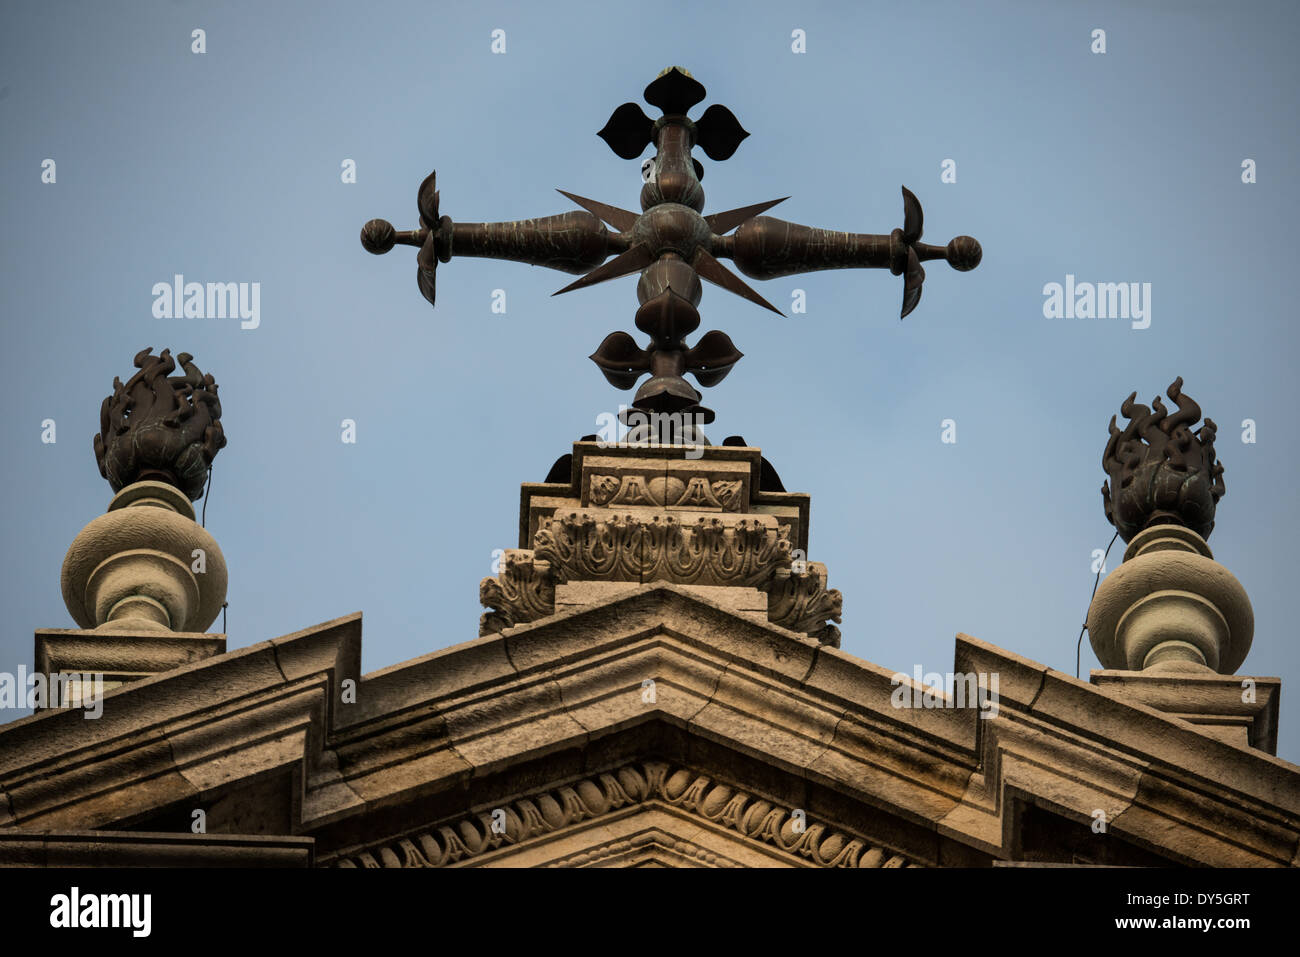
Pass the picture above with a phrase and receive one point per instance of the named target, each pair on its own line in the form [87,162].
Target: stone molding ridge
[753,819]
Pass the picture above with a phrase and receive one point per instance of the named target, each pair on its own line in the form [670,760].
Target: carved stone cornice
[524,819]
[593,546]
[797,598]
[446,730]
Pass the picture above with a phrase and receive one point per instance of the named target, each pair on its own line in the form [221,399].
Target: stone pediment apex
[655,673]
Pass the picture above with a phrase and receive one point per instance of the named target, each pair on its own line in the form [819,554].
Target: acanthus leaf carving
[582,546]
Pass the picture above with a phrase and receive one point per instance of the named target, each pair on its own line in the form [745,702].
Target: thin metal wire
[204,518]
[1078,648]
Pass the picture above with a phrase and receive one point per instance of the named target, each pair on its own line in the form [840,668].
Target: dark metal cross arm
[573,242]
[765,248]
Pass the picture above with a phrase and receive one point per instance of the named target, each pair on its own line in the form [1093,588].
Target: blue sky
[225,166]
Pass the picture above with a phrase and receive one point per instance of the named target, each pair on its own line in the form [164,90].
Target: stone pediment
[266,740]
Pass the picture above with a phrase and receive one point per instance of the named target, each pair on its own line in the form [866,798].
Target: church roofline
[471,711]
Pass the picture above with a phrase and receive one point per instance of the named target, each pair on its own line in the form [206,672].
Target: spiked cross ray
[721,223]
[621,219]
[671,244]
[718,274]
[633,260]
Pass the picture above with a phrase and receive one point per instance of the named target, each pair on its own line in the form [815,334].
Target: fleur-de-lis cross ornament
[672,244]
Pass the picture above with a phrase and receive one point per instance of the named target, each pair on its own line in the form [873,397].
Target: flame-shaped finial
[155,427]
[1161,472]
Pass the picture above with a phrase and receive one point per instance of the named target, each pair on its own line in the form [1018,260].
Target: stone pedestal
[690,515]
[119,658]
[1235,709]
[143,581]
[1172,625]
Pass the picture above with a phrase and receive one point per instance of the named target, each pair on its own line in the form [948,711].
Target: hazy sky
[225,166]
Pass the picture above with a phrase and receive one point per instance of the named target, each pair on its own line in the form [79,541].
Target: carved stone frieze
[598,546]
[753,819]
[666,491]
[523,591]
[798,599]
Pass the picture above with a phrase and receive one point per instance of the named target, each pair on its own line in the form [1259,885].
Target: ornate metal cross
[671,244]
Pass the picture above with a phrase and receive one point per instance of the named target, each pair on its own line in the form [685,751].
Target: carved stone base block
[117,658]
[1236,709]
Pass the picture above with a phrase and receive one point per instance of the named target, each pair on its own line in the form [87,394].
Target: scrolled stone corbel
[798,599]
[523,591]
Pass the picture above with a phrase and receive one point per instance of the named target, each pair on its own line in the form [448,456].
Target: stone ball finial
[160,428]
[1161,471]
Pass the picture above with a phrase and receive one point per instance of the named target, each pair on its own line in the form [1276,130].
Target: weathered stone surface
[1239,710]
[643,812]
[798,599]
[657,684]
[151,849]
[121,657]
[554,703]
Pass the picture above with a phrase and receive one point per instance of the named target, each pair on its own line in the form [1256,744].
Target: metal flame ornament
[1161,472]
[160,428]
